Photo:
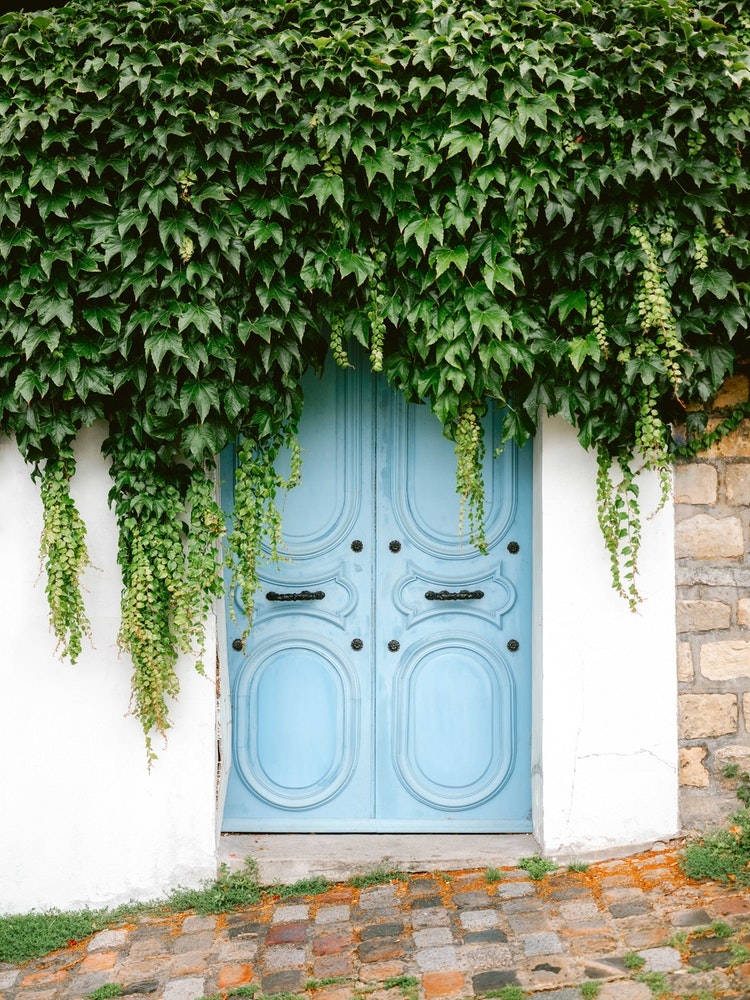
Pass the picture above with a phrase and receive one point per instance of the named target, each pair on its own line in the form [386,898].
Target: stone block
[702,616]
[725,661]
[734,445]
[693,771]
[706,715]
[735,390]
[706,537]
[184,989]
[731,755]
[738,484]
[443,984]
[685,666]
[743,612]
[746,711]
[695,482]
[663,959]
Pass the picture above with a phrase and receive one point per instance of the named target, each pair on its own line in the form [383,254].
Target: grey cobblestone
[107,940]
[542,944]
[474,920]
[184,989]
[433,937]
[291,914]
[332,914]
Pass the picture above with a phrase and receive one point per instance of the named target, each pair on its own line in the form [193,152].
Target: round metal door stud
[237,645]
[513,547]
[357,546]
[357,644]
[394,546]
[394,645]
[513,645]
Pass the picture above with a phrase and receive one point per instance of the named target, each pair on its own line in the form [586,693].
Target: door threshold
[288,857]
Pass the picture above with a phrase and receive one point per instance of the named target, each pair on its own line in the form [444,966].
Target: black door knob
[237,645]
[394,645]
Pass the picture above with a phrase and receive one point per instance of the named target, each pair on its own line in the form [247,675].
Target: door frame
[604,771]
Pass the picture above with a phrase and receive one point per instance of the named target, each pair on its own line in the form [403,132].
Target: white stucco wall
[82,821]
[605,688]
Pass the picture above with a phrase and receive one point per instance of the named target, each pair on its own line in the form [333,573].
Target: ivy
[63,551]
[542,205]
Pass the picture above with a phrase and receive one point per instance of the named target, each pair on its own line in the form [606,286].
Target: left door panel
[302,740]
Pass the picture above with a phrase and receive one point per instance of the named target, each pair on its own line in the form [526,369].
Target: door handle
[302,595]
[454,595]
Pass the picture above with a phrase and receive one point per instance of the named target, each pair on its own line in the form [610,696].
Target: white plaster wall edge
[595,662]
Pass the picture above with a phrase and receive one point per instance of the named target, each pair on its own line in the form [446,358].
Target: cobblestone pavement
[431,937]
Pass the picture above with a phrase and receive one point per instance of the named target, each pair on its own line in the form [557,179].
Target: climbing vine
[63,552]
[545,205]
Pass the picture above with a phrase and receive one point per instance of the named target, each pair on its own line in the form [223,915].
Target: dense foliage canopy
[543,203]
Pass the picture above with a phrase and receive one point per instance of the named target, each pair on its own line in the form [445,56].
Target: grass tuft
[29,935]
[590,990]
[494,875]
[508,993]
[537,867]
[656,982]
[578,866]
[228,891]
[378,876]
[312,886]
[105,991]
[633,960]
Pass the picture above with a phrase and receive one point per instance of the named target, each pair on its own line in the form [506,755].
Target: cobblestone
[454,938]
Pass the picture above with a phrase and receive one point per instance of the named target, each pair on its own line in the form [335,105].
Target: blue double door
[386,682]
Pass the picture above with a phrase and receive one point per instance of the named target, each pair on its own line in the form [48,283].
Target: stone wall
[712,537]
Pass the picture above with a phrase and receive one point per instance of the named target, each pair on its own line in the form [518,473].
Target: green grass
[508,993]
[633,960]
[30,935]
[226,892]
[303,887]
[578,866]
[721,929]
[319,984]
[493,875]
[656,982]
[590,990]
[724,855]
[537,867]
[105,991]
[378,876]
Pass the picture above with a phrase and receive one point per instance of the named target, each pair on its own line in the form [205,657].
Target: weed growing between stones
[724,855]
[493,875]
[105,991]
[303,887]
[378,876]
[590,990]
[227,891]
[508,993]
[537,867]
[633,960]
[578,866]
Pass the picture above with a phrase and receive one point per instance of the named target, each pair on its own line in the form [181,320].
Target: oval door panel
[458,694]
[423,486]
[297,732]
[320,512]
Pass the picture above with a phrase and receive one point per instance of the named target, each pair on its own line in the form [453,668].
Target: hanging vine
[63,552]
[542,205]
